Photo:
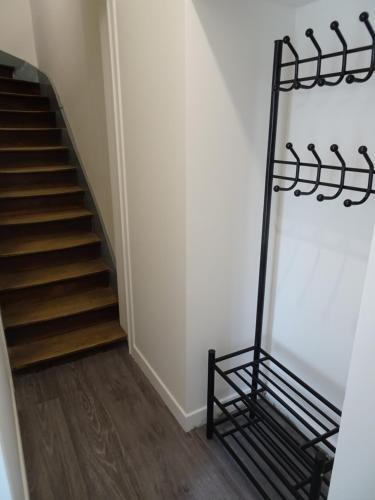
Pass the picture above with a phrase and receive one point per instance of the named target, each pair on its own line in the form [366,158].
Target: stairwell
[55,293]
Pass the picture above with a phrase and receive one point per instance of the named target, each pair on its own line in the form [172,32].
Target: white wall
[323,248]
[67,36]
[16,30]
[353,474]
[195,159]
[196,121]
[13,484]
[229,67]
[152,64]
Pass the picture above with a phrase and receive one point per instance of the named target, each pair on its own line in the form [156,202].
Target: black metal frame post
[210,394]
[272,133]
[317,476]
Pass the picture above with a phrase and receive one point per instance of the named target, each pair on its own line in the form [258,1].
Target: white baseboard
[188,421]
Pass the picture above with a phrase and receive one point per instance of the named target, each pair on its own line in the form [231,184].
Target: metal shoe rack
[277,428]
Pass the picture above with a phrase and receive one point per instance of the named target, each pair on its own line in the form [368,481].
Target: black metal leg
[267,209]
[210,394]
[317,476]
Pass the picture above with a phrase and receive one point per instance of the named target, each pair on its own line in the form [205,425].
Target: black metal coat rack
[276,427]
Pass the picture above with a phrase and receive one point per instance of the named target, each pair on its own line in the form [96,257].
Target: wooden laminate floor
[94,428]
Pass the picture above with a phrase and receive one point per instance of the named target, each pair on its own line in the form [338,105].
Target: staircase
[55,295]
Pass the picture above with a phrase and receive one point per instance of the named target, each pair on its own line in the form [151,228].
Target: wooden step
[59,346]
[45,243]
[36,192]
[19,86]
[24,177]
[32,310]
[23,101]
[31,149]
[34,156]
[13,137]
[43,169]
[16,218]
[6,71]
[28,277]
[27,119]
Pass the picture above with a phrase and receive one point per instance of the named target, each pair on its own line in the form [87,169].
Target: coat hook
[363,151]
[298,192]
[289,146]
[295,84]
[322,81]
[321,197]
[310,34]
[364,18]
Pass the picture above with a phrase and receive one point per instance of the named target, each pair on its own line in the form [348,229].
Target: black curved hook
[363,151]
[322,81]
[289,146]
[364,18]
[295,84]
[310,34]
[298,192]
[321,197]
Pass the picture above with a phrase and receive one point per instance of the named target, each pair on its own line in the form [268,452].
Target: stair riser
[9,138]
[61,325]
[84,253]
[61,289]
[56,289]
[19,87]
[12,101]
[25,158]
[26,120]
[6,71]
[75,200]
[38,179]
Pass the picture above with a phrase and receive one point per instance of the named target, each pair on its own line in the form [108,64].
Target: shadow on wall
[233,74]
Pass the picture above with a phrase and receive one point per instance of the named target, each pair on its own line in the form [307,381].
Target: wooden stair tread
[38,351]
[28,129]
[6,110]
[30,311]
[17,149]
[15,218]
[24,245]
[50,273]
[32,191]
[37,170]
[20,94]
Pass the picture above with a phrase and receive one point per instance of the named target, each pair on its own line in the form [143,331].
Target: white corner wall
[68,44]
[196,122]
[151,38]
[196,88]
[229,68]
[353,474]
[16,30]
[13,483]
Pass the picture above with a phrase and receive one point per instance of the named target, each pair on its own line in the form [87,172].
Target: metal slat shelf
[283,432]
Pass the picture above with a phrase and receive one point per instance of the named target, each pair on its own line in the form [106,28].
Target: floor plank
[53,466]
[97,425]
